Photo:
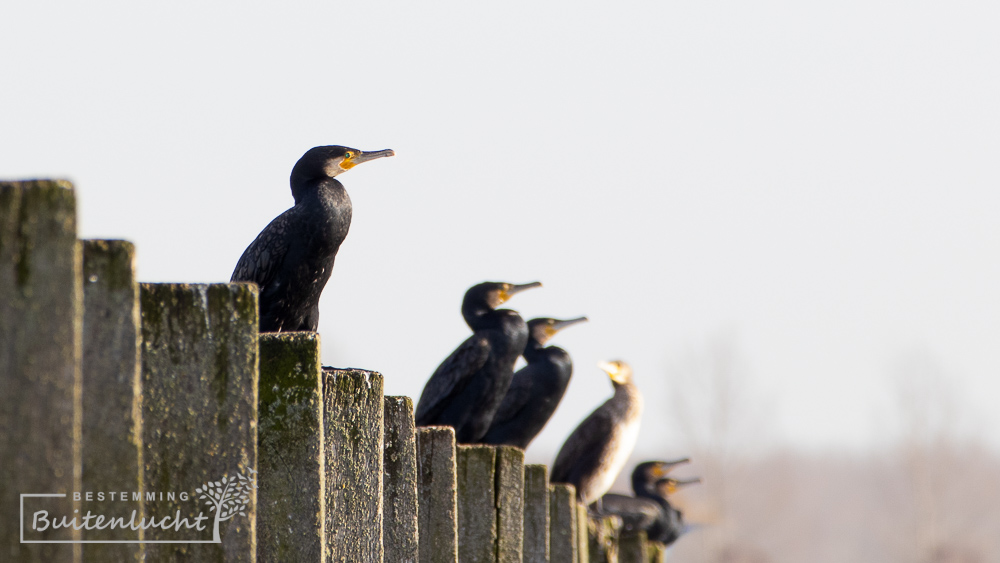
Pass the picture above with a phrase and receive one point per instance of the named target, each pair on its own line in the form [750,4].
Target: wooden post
[477,514]
[582,533]
[199,411]
[399,482]
[536,514]
[291,497]
[604,539]
[436,481]
[632,548]
[656,551]
[510,504]
[353,431]
[112,417]
[563,539]
[41,300]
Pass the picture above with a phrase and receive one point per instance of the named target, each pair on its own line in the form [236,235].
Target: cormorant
[292,258]
[467,388]
[536,389]
[649,510]
[595,453]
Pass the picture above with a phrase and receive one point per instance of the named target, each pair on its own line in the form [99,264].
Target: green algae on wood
[199,406]
[290,500]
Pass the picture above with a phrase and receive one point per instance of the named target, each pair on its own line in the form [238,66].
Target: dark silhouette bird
[649,510]
[595,453]
[467,388]
[536,389]
[292,258]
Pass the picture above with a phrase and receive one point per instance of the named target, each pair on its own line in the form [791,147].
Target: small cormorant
[292,258]
[536,389]
[467,388]
[595,453]
[649,510]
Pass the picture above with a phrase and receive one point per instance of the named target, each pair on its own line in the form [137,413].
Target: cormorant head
[541,330]
[646,475]
[668,485]
[487,296]
[328,162]
[619,372]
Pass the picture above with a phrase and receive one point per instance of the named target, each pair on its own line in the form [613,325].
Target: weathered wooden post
[436,480]
[563,537]
[112,417]
[40,351]
[656,552]
[582,533]
[536,514]
[291,497]
[477,514]
[353,432]
[399,482]
[510,504]
[199,411]
[604,539]
[632,548]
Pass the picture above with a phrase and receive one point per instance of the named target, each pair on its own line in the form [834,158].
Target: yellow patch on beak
[504,294]
[549,331]
[348,163]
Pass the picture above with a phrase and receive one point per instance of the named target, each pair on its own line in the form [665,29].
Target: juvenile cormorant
[292,258]
[536,389]
[467,388]
[649,510]
[595,453]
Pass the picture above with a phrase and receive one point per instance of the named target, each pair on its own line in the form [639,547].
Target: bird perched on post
[466,389]
[292,258]
[649,510]
[595,453]
[536,389]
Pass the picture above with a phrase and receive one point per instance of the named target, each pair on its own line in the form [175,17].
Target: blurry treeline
[932,495]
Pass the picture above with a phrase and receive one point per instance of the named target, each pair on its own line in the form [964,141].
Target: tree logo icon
[229,497]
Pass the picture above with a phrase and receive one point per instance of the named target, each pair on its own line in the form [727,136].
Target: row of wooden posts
[116,386]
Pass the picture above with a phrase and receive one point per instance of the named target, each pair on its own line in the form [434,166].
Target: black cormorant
[536,389]
[466,389]
[292,258]
[595,453]
[649,510]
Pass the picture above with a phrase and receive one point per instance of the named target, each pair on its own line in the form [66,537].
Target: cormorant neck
[304,185]
[534,350]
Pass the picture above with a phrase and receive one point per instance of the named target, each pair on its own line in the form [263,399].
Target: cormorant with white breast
[292,258]
[649,510]
[467,388]
[536,389]
[595,453]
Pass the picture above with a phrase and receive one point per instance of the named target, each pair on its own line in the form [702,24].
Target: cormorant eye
[349,155]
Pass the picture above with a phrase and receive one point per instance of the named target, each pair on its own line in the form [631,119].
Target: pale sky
[816,180]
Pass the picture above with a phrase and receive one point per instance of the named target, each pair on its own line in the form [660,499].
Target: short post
[112,417]
[477,513]
[536,513]
[353,431]
[656,551]
[563,538]
[436,481]
[604,539]
[291,497]
[399,481]
[40,347]
[199,413]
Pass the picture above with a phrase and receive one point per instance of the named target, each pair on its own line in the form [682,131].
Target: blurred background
[783,215]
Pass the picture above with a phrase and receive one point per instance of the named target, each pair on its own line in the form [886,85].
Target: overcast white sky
[816,180]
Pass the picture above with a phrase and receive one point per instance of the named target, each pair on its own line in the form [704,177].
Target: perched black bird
[536,389]
[292,258]
[466,389]
[649,510]
[595,453]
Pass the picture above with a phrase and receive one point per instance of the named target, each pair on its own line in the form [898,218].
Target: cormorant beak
[559,325]
[673,484]
[664,467]
[361,157]
[615,371]
[511,289]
